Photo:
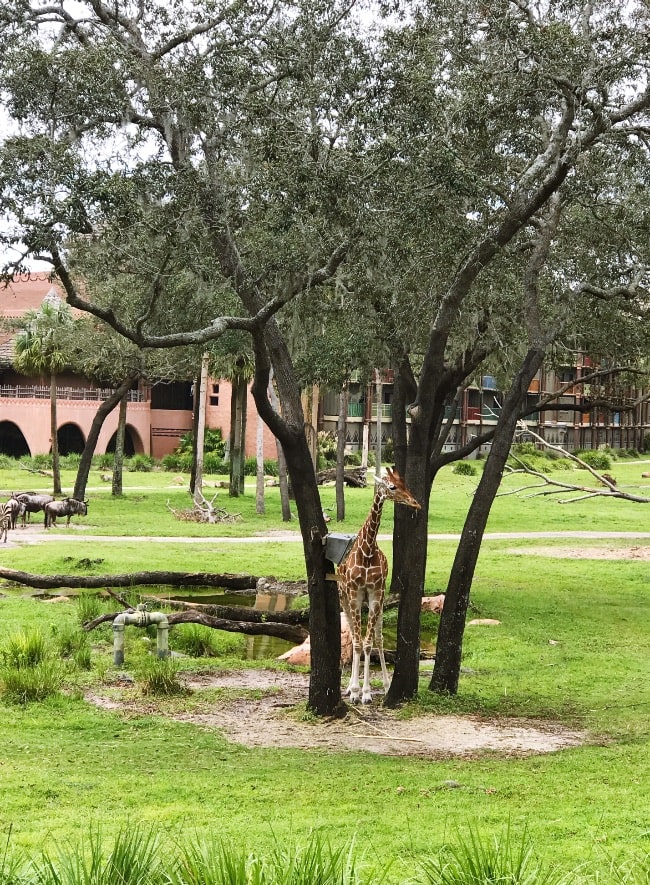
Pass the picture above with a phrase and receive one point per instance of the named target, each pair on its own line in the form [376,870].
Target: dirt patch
[642,553]
[269,720]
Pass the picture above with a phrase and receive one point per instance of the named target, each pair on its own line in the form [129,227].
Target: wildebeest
[33,503]
[67,507]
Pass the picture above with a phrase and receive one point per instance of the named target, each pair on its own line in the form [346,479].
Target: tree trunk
[324,609]
[118,461]
[196,412]
[446,671]
[282,463]
[200,429]
[340,452]
[102,413]
[259,477]
[409,561]
[56,467]
[238,397]
[378,396]
[410,533]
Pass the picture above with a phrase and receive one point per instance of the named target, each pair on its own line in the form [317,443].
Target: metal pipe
[140,618]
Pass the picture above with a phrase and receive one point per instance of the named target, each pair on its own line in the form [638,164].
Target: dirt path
[268,720]
[35,534]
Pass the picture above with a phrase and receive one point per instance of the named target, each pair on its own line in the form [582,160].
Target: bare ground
[269,720]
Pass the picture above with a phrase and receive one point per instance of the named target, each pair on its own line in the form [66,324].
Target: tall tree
[490,111]
[221,152]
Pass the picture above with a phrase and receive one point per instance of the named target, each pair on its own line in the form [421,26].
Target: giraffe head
[394,489]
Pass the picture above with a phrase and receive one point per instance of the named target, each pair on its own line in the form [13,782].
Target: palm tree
[38,351]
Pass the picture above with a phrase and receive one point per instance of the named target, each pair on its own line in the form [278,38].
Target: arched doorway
[12,441]
[131,441]
[71,440]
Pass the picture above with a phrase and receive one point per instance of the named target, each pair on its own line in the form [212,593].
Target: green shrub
[327,447]
[212,463]
[213,441]
[599,460]
[105,461]
[464,468]
[270,467]
[37,462]
[524,448]
[70,462]
[178,462]
[7,463]
[140,463]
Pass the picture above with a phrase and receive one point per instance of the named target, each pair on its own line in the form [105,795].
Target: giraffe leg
[353,614]
[375,604]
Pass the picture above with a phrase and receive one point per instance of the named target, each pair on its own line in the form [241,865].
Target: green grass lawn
[572,648]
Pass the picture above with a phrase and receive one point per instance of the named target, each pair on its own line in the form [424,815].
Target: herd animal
[22,505]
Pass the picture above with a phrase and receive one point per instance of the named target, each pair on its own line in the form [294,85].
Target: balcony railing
[355,410]
[386,410]
[98,394]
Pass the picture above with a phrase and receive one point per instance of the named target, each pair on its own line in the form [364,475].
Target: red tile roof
[26,293]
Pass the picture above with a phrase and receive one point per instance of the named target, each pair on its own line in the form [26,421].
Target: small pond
[259,647]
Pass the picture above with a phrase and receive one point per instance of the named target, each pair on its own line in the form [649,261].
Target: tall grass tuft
[318,863]
[157,676]
[201,862]
[24,649]
[13,864]
[481,860]
[136,857]
[197,641]
[20,685]
[89,606]
[315,863]
[72,643]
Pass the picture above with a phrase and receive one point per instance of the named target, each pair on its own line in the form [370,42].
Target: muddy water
[260,647]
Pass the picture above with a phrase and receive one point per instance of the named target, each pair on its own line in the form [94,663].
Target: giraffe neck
[370,528]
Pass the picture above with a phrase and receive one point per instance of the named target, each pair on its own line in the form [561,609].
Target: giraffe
[362,577]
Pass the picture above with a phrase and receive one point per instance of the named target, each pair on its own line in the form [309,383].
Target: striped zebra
[5,520]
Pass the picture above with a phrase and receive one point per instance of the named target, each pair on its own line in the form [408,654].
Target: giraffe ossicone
[363,579]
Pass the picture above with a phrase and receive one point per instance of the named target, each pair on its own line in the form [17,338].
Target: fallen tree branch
[355,477]
[132,579]
[204,511]
[233,612]
[556,487]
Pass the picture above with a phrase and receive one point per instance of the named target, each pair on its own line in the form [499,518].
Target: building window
[214,396]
